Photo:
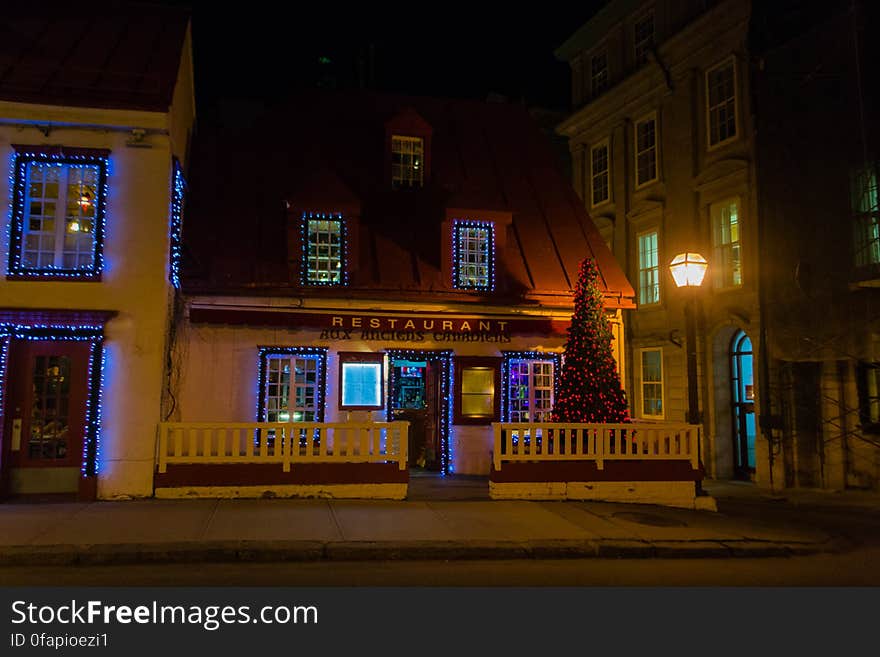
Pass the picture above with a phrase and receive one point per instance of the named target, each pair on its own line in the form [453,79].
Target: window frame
[554,358]
[596,89]
[648,231]
[721,279]
[865,221]
[650,117]
[459,225]
[640,60]
[23,158]
[641,409]
[396,186]
[462,363]
[731,61]
[606,144]
[346,357]
[318,354]
[308,217]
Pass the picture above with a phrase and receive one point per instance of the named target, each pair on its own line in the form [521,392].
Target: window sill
[36,276]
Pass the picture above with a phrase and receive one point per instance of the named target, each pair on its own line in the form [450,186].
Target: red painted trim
[269,474]
[588,471]
[88,489]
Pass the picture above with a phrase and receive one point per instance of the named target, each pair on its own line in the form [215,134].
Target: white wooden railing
[286,443]
[549,441]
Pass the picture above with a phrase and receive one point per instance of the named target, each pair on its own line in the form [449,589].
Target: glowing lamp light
[85,202]
[688,269]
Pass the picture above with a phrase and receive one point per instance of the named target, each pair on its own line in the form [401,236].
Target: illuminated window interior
[529,390]
[407,162]
[727,263]
[324,252]
[474,251]
[60,216]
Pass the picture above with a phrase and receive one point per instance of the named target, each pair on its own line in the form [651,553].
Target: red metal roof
[485,156]
[98,54]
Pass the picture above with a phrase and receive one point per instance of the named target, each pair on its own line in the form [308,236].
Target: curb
[313,551]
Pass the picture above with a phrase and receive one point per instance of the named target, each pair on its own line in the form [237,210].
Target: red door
[45,416]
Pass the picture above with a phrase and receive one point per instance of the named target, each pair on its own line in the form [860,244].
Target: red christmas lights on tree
[589,387]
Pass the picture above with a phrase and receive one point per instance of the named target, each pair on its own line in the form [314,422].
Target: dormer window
[323,249]
[407,162]
[473,257]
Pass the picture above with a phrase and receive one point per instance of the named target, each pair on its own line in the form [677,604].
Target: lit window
[324,246]
[721,103]
[473,255]
[291,384]
[58,214]
[727,263]
[646,151]
[652,383]
[599,73]
[866,217]
[407,162]
[529,390]
[643,37]
[361,380]
[477,382]
[599,173]
[649,269]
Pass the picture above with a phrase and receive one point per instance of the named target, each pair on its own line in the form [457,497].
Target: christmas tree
[589,388]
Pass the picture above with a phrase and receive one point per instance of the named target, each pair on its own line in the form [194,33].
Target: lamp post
[688,271]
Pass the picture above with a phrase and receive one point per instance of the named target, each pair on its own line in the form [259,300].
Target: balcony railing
[550,441]
[285,443]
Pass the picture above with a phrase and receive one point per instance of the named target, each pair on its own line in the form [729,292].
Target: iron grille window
[407,162]
[474,254]
[649,269]
[866,217]
[726,241]
[721,103]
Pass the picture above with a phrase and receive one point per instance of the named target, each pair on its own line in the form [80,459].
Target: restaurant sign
[412,327]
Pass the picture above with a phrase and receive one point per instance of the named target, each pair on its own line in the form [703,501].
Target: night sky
[453,50]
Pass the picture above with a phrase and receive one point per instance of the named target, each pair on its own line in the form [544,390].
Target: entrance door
[415,398]
[45,416]
[743,409]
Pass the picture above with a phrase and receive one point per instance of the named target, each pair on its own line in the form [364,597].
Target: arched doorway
[742,380]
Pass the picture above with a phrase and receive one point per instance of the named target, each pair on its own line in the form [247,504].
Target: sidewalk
[343,530]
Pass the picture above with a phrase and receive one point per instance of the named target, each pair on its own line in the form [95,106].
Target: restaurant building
[355,257]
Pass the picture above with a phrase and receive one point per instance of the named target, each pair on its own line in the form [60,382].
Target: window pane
[721,99]
[474,246]
[324,264]
[407,156]
[726,242]
[649,270]
[477,391]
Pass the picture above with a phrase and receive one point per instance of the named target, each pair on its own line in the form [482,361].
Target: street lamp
[688,270]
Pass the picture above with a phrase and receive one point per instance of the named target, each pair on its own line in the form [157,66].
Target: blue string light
[67,332]
[447,449]
[178,191]
[459,229]
[335,217]
[18,181]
